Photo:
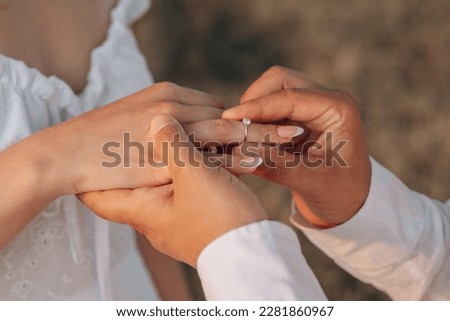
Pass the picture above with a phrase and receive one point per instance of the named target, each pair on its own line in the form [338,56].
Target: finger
[221,132]
[136,207]
[174,147]
[110,205]
[278,165]
[169,91]
[315,108]
[189,114]
[275,79]
[236,164]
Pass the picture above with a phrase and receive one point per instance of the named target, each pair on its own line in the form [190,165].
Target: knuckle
[147,89]
[167,107]
[275,70]
[222,127]
[166,88]
[347,98]
[291,94]
[215,100]
[345,104]
[283,73]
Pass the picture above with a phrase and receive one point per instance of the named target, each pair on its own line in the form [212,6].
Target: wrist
[307,216]
[32,182]
[49,161]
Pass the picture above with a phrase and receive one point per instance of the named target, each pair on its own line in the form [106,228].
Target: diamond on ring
[246,121]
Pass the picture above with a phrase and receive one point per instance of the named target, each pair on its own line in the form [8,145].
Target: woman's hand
[74,156]
[328,170]
[108,148]
[111,147]
[202,202]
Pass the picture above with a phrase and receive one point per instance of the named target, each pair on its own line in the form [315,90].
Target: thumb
[174,147]
[141,208]
[110,205]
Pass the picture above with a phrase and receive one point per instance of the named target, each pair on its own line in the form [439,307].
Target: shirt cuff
[385,230]
[259,261]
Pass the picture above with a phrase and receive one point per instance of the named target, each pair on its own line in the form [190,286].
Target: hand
[108,147]
[82,155]
[328,169]
[181,218]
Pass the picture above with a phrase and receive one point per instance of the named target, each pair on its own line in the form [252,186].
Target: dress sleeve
[131,10]
[14,124]
[30,101]
[259,261]
[399,241]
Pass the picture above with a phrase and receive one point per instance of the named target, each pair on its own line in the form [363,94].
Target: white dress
[66,252]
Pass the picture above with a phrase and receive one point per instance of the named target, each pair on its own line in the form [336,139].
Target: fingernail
[251,162]
[289,131]
[159,122]
[213,150]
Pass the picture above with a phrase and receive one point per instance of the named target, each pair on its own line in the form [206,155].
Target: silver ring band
[246,123]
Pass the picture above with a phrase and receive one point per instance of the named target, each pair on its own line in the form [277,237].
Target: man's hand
[328,169]
[181,218]
[108,147]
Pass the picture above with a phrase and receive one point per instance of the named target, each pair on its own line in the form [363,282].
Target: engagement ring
[246,123]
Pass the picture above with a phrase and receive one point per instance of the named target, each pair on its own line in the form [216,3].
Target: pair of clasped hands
[181,209]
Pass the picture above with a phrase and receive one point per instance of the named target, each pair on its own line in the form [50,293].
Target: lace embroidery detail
[22,288]
[44,236]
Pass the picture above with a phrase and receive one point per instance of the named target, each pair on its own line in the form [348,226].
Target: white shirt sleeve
[399,241]
[259,261]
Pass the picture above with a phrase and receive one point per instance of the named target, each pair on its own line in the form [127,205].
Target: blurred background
[392,55]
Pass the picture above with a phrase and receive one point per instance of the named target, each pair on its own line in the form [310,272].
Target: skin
[66,158]
[54,39]
[203,203]
[181,218]
[325,195]
[57,38]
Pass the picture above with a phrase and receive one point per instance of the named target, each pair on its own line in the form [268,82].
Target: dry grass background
[392,55]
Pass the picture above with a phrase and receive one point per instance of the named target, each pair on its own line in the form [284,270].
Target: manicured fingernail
[289,131]
[251,162]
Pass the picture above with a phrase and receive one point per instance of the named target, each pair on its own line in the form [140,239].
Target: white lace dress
[67,253]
